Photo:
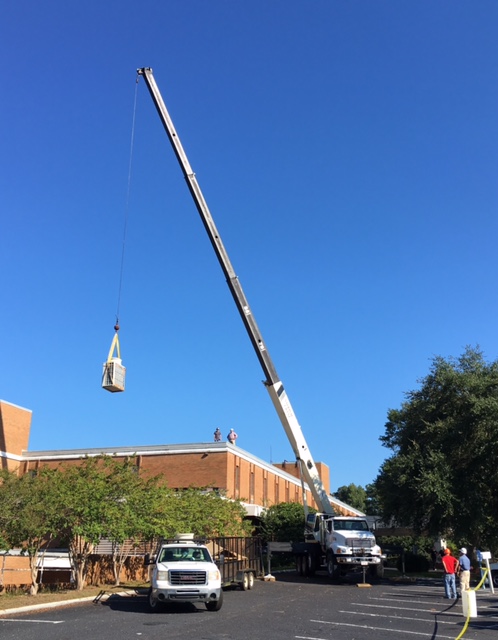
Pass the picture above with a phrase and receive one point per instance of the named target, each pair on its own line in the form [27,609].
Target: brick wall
[15,424]
[226,470]
[14,571]
[182,470]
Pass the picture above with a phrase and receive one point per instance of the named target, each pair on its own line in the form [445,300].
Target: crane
[272,381]
[341,543]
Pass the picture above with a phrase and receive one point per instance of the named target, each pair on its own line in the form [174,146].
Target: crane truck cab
[184,571]
[341,543]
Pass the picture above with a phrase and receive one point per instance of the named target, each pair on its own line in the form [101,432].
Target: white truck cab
[184,571]
[349,541]
[341,543]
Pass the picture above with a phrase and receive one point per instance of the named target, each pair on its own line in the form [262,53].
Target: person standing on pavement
[450,565]
[481,570]
[433,558]
[464,570]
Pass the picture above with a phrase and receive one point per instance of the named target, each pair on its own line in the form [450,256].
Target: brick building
[213,465]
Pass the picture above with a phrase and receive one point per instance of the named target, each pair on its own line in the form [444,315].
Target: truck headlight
[162,575]
[214,575]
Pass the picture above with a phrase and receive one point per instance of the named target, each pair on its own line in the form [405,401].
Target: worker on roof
[232,437]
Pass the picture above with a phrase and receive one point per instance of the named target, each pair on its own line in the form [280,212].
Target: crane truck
[337,542]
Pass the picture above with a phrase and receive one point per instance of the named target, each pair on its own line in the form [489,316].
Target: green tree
[29,517]
[84,501]
[104,498]
[137,509]
[372,506]
[209,514]
[283,522]
[354,495]
[441,477]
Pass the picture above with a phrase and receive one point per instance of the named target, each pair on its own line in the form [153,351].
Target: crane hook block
[113,373]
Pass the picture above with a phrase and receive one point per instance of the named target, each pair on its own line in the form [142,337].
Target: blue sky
[348,152]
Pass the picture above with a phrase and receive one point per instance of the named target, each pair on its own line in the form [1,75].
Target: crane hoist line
[113,371]
[272,382]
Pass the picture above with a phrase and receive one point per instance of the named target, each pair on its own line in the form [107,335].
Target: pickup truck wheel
[215,605]
[250,580]
[494,576]
[154,605]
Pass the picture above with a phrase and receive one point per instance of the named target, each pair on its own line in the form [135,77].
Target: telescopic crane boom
[272,382]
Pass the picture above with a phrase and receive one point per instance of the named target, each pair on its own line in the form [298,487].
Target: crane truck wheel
[310,565]
[298,566]
[332,566]
[304,565]
[377,570]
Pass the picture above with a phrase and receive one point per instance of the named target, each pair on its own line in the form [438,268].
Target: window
[350,525]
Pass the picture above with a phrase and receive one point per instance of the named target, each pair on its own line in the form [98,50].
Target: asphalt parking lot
[288,609]
[410,611]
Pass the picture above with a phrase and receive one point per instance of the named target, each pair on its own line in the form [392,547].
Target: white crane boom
[272,382]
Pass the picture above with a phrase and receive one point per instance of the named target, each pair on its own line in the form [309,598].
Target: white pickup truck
[183,571]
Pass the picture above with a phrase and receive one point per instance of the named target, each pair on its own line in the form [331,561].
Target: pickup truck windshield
[183,554]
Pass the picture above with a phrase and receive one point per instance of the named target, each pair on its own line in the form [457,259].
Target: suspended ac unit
[113,375]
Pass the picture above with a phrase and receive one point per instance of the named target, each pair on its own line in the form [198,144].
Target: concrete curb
[64,603]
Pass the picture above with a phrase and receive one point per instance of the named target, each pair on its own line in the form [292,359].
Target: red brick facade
[15,424]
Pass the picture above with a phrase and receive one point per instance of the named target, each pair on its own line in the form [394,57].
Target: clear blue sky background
[348,152]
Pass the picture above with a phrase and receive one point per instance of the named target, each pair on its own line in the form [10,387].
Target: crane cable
[115,342]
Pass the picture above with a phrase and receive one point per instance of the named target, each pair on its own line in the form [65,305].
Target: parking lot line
[402,631]
[383,615]
[388,606]
[37,621]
